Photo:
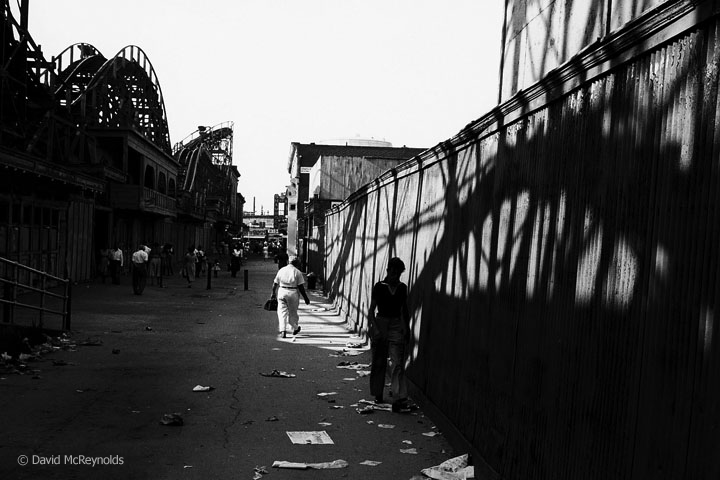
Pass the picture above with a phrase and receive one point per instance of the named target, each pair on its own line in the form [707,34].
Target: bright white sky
[412,72]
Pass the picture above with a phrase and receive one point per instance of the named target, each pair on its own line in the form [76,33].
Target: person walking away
[188,271]
[235,257]
[155,265]
[288,283]
[389,329]
[116,264]
[167,260]
[199,261]
[281,258]
[104,263]
[139,269]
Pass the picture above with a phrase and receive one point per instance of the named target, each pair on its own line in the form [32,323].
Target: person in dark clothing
[281,258]
[389,331]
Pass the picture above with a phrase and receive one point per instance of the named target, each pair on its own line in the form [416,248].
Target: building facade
[324,174]
[87,163]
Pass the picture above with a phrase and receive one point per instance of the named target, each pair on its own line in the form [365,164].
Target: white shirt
[116,255]
[289,276]
[140,256]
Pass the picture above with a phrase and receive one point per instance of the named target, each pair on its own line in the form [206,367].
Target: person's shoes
[282,334]
[297,330]
[401,406]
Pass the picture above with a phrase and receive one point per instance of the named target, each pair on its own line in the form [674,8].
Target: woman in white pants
[288,285]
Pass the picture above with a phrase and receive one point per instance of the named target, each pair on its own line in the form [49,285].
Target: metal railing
[29,289]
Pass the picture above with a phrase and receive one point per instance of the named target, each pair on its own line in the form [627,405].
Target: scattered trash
[354,345]
[200,388]
[147,329]
[370,422]
[346,353]
[371,463]
[302,466]
[411,451]
[353,365]
[324,424]
[349,379]
[431,434]
[377,406]
[312,438]
[453,469]
[172,419]
[115,351]
[272,419]
[365,410]
[325,394]
[407,442]
[259,472]
[363,373]
[337,406]
[385,425]
[278,373]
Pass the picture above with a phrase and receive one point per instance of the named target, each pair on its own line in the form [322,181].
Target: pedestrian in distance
[216,268]
[116,263]
[389,331]
[288,285]
[199,261]
[235,259]
[168,252]
[104,263]
[139,269]
[188,270]
[155,264]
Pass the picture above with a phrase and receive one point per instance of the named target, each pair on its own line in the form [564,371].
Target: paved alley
[133,362]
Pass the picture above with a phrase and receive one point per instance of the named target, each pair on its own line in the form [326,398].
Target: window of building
[149,177]
[162,183]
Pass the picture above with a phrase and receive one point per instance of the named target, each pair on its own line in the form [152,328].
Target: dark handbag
[271,304]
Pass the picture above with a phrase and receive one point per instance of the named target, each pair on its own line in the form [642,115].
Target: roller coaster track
[215,142]
[121,92]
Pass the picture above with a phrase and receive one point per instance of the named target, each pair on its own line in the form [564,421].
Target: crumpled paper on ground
[453,469]
[302,466]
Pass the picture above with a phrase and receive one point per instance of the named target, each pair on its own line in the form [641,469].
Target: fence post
[68,304]
[43,286]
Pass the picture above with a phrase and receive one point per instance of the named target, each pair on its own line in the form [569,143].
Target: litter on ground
[200,388]
[302,466]
[278,373]
[172,419]
[453,469]
[310,438]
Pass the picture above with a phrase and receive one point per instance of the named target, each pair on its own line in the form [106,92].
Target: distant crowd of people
[155,261]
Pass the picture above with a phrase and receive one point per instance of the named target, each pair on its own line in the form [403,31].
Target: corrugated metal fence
[564,274]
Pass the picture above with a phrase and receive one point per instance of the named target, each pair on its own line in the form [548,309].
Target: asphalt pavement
[108,399]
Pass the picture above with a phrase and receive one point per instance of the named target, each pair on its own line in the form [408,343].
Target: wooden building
[86,159]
